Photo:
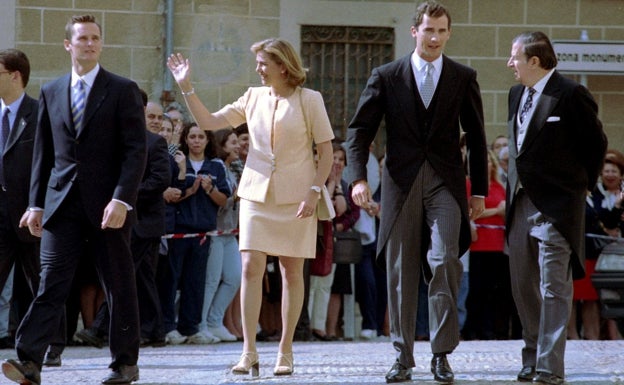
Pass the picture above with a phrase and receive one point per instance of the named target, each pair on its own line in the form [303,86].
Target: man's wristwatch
[316,189]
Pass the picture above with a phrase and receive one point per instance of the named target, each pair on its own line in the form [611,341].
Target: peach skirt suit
[280,168]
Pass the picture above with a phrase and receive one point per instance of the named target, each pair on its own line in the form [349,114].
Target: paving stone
[328,363]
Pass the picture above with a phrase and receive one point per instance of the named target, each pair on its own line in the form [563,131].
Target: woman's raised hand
[180,68]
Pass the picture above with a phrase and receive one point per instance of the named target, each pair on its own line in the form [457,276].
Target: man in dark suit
[146,238]
[145,243]
[89,157]
[17,246]
[556,149]
[425,215]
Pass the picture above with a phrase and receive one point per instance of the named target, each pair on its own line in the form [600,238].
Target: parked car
[609,281]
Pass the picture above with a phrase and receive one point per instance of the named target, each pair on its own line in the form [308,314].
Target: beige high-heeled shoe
[249,362]
[284,364]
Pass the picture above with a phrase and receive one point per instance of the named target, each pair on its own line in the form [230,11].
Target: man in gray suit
[556,148]
[425,216]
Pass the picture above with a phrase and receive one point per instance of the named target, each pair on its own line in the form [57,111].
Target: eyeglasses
[6,72]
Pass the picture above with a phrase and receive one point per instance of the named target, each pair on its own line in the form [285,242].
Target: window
[340,60]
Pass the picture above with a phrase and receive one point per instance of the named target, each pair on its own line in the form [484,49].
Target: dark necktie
[427,88]
[527,105]
[4,136]
[78,104]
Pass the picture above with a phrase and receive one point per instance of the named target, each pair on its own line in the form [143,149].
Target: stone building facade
[217,34]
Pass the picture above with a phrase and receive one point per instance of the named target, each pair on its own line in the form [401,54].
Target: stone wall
[216,34]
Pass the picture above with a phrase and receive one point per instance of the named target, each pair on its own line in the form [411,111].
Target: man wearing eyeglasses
[19,120]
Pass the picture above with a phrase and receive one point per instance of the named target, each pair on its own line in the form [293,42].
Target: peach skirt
[275,229]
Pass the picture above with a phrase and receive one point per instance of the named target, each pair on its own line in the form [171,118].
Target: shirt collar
[13,106]
[541,84]
[88,78]
[419,63]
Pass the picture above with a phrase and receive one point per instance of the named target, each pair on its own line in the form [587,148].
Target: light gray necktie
[427,88]
[78,104]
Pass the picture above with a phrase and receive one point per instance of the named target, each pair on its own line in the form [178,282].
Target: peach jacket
[287,164]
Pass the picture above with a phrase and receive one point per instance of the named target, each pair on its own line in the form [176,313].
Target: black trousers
[145,255]
[15,252]
[67,237]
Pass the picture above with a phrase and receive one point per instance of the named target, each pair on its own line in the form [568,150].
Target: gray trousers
[429,203]
[541,282]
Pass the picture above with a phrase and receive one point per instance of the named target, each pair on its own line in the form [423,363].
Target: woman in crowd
[280,185]
[166,129]
[232,319]
[489,295]
[223,270]
[172,195]
[347,213]
[242,134]
[206,189]
[370,280]
[603,216]
[320,286]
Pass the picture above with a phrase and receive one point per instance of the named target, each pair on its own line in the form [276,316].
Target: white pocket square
[553,119]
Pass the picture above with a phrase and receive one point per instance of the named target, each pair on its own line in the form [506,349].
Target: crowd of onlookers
[486,306]
[198,275]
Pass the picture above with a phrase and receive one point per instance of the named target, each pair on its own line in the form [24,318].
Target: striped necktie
[4,137]
[527,105]
[78,104]
[427,88]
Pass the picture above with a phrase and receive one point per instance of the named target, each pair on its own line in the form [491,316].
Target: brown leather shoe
[22,372]
[124,374]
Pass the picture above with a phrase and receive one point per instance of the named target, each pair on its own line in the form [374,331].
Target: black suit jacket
[17,162]
[106,159]
[150,202]
[391,93]
[560,158]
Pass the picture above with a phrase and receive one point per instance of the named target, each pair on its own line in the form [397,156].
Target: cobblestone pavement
[474,362]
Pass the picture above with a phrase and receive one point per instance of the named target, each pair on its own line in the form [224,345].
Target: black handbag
[347,247]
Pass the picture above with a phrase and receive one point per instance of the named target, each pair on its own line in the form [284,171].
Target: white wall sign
[590,57]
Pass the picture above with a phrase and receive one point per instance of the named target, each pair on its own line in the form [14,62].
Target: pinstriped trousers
[541,283]
[429,203]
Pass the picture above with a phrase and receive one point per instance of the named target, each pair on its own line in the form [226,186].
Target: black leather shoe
[526,374]
[52,359]
[125,374]
[154,342]
[24,373]
[441,370]
[7,343]
[320,337]
[547,379]
[91,337]
[398,373]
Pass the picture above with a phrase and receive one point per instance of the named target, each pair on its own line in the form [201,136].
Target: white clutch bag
[325,208]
